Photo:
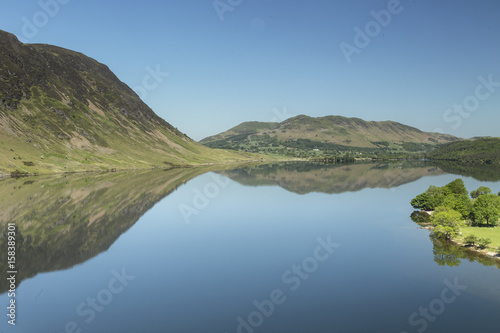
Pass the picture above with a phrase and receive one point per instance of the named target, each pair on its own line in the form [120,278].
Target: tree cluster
[453,207]
[479,151]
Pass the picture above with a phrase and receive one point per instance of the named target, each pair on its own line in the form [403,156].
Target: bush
[483,242]
[470,239]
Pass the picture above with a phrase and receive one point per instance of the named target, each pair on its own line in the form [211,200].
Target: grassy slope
[61,111]
[352,132]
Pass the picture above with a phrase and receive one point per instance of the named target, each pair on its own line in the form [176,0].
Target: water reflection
[65,220]
[476,171]
[304,178]
[447,253]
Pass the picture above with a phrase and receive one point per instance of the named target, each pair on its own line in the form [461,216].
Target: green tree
[421,201]
[480,191]
[456,187]
[446,221]
[430,199]
[486,208]
[459,202]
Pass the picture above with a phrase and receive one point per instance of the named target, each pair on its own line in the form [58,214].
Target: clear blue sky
[285,54]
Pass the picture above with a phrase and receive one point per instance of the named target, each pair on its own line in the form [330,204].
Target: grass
[491,233]
[48,153]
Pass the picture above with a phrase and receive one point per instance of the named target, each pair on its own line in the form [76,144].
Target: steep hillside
[328,133]
[63,111]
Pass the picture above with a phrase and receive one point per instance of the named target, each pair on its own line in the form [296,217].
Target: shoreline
[471,248]
[167,167]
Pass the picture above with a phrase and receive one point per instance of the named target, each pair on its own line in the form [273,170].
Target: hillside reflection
[304,178]
[65,220]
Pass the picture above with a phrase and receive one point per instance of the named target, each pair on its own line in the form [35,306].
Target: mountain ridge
[334,130]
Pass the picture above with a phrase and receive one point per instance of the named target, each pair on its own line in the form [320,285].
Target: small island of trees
[452,214]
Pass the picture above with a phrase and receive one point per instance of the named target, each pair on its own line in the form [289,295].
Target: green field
[491,233]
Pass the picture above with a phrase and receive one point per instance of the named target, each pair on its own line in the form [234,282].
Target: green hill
[331,133]
[476,151]
[62,111]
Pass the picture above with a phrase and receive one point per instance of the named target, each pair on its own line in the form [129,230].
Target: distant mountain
[331,132]
[63,111]
[476,151]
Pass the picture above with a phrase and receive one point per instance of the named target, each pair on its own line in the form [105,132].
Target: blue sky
[269,59]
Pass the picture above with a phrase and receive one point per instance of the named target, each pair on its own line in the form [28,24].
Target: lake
[276,248]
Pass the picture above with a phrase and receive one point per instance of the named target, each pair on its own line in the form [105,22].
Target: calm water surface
[295,248]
